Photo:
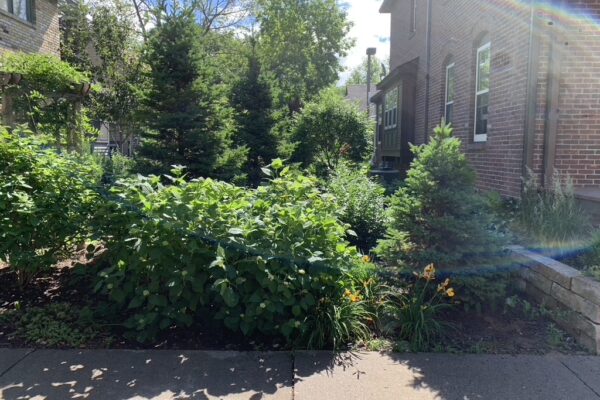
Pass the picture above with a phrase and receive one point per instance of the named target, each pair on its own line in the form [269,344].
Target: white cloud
[371,29]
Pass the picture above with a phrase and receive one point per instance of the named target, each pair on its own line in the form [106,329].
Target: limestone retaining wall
[560,287]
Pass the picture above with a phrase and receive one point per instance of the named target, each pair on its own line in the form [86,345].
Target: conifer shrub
[438,216]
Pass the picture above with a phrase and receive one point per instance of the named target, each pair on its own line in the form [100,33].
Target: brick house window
[22,9]
[449,97]
[482,93]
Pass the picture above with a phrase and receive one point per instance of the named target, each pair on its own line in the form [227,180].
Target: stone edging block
[548,267]
[576,303]
[587,288]
[562,287]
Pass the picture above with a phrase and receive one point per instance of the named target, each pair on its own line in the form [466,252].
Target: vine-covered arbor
[48,96]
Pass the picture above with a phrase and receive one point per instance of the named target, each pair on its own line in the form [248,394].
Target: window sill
[17,19]
[477,146]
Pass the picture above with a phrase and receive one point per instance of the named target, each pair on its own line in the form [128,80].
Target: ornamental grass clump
[551,216]
[438,216]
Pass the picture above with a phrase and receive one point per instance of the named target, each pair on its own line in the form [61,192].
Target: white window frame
[413,16]
[446,102]
[480,137]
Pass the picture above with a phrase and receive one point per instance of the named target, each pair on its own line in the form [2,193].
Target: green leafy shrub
[329,130]
[414,313]
[259,260]
[362,202]
[46,200]
[438,216]
[117,167]
[551,216]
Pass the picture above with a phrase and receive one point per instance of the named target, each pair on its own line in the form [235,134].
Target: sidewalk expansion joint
[581,380]
[17,362]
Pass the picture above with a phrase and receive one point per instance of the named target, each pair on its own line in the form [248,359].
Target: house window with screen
[21,9]
[482,95]
[391,109]
[449,98]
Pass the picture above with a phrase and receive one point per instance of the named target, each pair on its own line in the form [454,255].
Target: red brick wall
[578,144]
[43,36]
[456,27]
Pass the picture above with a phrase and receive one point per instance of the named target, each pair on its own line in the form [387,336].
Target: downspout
[531,96]
[428,75]
[552,103]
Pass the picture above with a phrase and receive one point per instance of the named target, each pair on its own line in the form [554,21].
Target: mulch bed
[497,332]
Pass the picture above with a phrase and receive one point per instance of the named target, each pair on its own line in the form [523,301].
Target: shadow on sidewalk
[148,375]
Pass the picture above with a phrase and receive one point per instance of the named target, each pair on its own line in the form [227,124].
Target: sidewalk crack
[31,351]
[293,375]
[582,381]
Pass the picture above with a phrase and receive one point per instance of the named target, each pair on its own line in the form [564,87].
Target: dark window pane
[450,84]
[21,9]
[482,114]
[449,113]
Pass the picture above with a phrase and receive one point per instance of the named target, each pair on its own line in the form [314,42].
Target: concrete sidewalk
[115,374]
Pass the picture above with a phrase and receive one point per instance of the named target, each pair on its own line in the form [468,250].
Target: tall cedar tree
[188,118]
[252,100]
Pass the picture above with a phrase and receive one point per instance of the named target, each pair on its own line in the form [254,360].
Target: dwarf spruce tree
[438,216]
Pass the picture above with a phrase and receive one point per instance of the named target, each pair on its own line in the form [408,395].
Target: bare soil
[498,332]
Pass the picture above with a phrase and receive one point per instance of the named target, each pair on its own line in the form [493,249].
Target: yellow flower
[429,272]
[366,259]
[450,293]
[443,286]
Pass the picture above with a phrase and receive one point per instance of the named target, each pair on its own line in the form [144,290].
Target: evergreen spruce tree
[252,100]
[187,116]
[438,216]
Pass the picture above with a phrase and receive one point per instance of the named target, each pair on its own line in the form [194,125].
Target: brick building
[519,81]
[31,26]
